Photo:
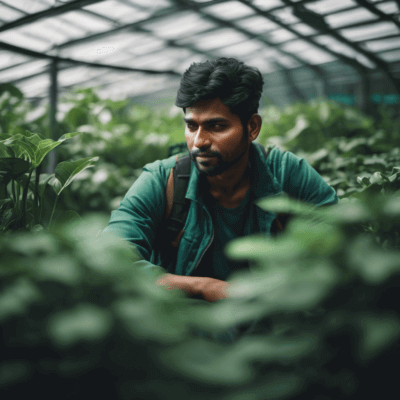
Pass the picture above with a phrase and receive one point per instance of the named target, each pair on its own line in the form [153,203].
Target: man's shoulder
[161,165]
[278,158]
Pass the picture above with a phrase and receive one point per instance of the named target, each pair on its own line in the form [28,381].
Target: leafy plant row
[81,318]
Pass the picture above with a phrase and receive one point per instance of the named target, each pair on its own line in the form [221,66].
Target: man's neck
[229,191]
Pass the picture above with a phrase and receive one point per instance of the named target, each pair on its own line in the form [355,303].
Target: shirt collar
[263,182]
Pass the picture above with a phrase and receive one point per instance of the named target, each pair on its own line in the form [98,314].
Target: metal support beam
[317,22]
[186,5]
[382,16]
[130,27]
[50,12]
[36,54]
[52,156]
[267,14]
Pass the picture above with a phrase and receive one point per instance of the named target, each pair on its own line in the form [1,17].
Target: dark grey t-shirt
[229,223]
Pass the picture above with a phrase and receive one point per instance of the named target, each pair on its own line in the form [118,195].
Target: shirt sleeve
[140,213]
[300,180]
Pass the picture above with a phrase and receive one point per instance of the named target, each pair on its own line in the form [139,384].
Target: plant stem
[24,196]
[18,194]
[36,194]
[14,195]
[54,208]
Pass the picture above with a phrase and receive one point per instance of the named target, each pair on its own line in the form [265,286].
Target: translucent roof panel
[91,22]
[153,42]
[229,10]
[383,44]
[330,6]
[370,31]
[10,13]
[224,37]
[390,7]
[8,59]
[280,35]
[179,25]
[119,11]
[307,52]
[350,17]
[19,72]
[29,6]
[242,49]
[268,5]
[76,75]
[36,87]
[257,24]
[391,55]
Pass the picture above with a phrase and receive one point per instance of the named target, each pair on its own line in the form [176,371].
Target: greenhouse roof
[131,48]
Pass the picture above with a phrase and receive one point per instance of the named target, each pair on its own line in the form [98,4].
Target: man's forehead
[214,108]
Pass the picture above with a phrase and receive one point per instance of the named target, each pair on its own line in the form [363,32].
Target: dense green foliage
[80,320]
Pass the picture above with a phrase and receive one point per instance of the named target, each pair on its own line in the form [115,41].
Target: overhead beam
[184,4]
[277,8]
[287,74]
[353,63]
[35,54]
[327,30]
[371,8]
[133,26]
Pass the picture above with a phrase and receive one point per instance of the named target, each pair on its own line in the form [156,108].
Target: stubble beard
[220,165]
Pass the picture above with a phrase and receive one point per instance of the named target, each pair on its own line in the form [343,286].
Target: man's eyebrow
[208,121]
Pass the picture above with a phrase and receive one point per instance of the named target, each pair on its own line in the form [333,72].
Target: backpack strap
[177,206]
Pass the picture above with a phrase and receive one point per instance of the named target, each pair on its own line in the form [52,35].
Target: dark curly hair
[238,85]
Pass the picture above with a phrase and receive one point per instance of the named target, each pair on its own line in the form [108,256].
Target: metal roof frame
[55,51]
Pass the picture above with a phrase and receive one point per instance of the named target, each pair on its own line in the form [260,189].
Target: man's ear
[254,126]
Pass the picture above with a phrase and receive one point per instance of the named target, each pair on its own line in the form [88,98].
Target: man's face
[213,130]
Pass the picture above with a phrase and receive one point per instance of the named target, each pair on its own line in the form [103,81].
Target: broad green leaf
[377,178]
[15,167]
[63,218]
[44,179]
[29,134]
[13,90]
[286,205]
[301,124]
[34,146]
[258,248]
[5,151]
[379,331]
[4,201]
[45,146]
[84,322]
[364,181]
[19,147]
[66,171]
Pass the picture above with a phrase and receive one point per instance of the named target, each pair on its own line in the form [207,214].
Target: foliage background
[80,319]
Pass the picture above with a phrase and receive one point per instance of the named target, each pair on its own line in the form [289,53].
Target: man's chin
[204,171]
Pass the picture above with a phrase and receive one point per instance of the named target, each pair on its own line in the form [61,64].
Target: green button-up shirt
[140,214]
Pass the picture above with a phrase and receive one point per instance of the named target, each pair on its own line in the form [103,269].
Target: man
[220,101]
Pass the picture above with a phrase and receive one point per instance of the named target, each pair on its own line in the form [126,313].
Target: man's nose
[202,138]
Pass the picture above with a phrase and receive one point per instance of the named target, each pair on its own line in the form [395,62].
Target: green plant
[21,155]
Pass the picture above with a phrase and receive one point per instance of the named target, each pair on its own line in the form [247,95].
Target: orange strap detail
[170,193]
[175,243]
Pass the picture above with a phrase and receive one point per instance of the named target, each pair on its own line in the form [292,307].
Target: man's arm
[139,215]
[209,289]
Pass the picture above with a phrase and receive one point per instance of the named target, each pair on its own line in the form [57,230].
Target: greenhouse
[199,199]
